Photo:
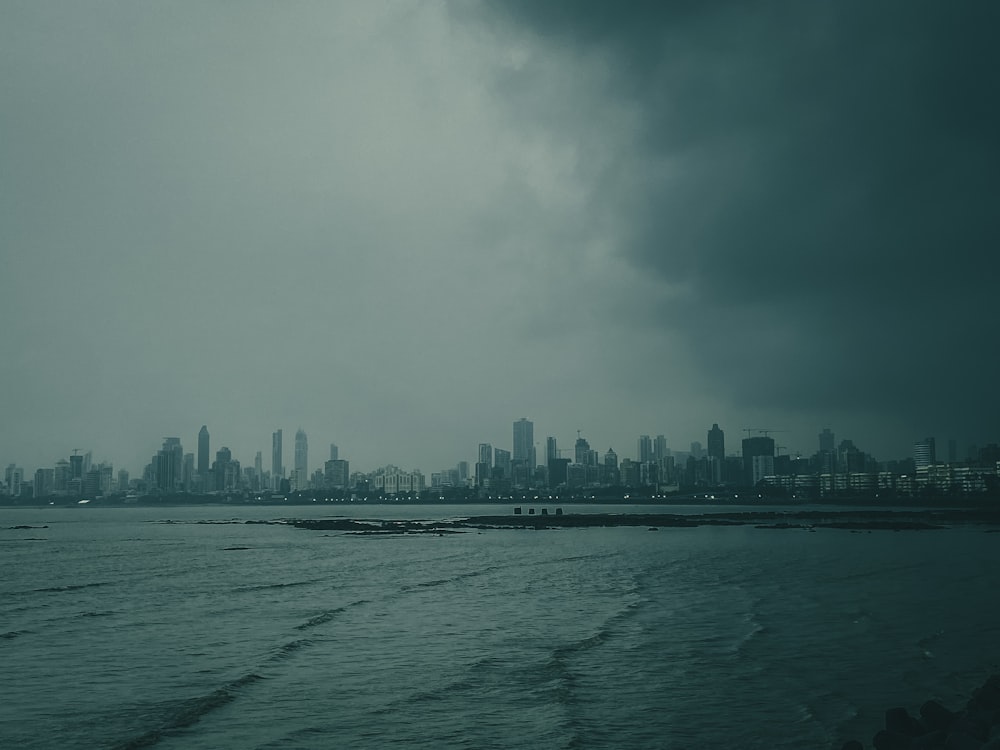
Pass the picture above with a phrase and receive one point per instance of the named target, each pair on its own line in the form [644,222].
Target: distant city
[654,470]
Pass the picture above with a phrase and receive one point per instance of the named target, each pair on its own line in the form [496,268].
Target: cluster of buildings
[835,469]
[172,471]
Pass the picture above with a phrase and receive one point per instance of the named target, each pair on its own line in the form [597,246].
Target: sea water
[191,628]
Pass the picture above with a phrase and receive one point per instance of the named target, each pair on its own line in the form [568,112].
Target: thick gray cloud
[814,187]
[282,216]
[403,226]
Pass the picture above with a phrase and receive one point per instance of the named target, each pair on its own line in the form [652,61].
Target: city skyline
[643,448]
[395,224]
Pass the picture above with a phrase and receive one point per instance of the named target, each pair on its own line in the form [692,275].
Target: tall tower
[826,442]
[757,448]
[277,470]
[486,454]
[203,451]
[924,453]
[716,443]
[334,452]
[524,442]
[645,450]
[551,450]
[660,451]
[301,455]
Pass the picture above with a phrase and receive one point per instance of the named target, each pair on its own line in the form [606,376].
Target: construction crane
[765,431]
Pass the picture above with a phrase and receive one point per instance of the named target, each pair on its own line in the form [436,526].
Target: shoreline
[809,520]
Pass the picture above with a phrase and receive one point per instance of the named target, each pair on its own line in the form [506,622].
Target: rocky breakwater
[976,727]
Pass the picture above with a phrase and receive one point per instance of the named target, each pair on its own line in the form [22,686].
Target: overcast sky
[404,225]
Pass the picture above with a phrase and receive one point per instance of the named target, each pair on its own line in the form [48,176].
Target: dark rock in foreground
[977,727]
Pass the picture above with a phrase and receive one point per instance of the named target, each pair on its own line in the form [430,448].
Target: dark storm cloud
[815,187]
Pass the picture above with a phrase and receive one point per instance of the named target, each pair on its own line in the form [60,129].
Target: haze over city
[401,226]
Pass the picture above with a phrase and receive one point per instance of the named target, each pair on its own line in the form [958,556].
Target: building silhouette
[758,459]
[203,454]
[660,451]
[826,440]
[524,442]
[301,458]
[924,453]
[716,442]
[644,452]
[277,468]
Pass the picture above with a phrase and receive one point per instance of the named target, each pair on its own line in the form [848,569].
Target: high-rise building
[203,453]
[223,469]
[826,441]
[302,457]
[170,465]
[14,476]
[611,459]
[484,466]
[187,478]
[524,442]
[258,471]
[551,450]
[581,451]
[277,469]
[337,473]
[696,450]
[486,454]
[924,453]
[44,481]
[716,442]
[61,477]
[752,448]
[644,452]
[502,461]
[334,452]
[76,466]
[660,451]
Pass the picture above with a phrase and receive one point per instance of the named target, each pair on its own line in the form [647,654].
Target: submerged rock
[977,727]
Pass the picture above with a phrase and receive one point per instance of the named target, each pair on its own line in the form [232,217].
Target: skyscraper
[502,462]
[170,465]
[334,452]
[203,451]
[826,441]
[301,455]
[223,472]
[757,448]
[484,466]
[524,442]
[644,452]
[277,470]
[486,454]
[924,453]
[551,450]
[716,443]
[660,451]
